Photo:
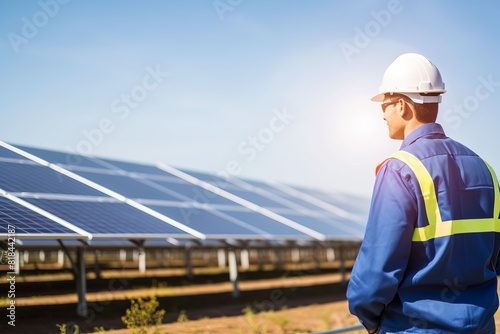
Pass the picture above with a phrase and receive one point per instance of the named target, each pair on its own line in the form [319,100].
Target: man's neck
[412,126]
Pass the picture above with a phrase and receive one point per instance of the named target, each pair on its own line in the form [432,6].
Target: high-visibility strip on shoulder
[437,228]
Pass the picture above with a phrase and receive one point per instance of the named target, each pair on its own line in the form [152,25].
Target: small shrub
[64,330]
[182,317]
[142,315]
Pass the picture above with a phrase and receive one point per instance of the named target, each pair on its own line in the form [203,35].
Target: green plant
[182,317]
[63,329]
[141,315]
[99,329]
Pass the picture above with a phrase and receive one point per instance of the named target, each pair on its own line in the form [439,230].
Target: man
[430,256]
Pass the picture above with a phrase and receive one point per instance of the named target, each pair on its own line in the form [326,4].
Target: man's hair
[424,112]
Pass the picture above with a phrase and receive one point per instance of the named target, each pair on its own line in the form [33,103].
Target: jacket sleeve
[384,253]
[497,265]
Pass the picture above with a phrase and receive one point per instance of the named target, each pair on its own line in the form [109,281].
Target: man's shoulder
[433,148]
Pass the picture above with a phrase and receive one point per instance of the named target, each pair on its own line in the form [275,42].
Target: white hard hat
[412,75]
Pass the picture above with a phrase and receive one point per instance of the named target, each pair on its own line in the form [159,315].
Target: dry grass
[298,320]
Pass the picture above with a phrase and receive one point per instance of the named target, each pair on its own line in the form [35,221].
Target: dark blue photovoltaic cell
[135,167]
[357,227]
[260,185]
[135,189]
[31,177]
[107,218]
[237,190]
[330,228]
[210,178]
[129,187]
[264,223]
[60,157]
[286,196]
[256,198]
[5,153]
[350,203]
[178,191]
[26,221]
[204,221]
[195,192]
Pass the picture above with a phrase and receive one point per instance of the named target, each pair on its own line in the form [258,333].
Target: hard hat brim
[378,97]
[418,97]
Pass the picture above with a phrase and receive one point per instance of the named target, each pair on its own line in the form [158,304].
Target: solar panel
[133,167]
[246,210]
[210,178]
[264,223]
[313,211]
[209,223]
[60,158]
[350,203]
[26,222]
[129,187]
[5,153]
[351,209]
[35,178]
[256,192]
[108,218]
[195,192]
[330,227]
[272,191]
[141,181]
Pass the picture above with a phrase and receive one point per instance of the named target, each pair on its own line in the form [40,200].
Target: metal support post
[123,255]
[330,254]
[41,256]
[141,256]
[97,270]
[221,258]
[245,259]
[17,267]
[295,255]
[81,283]
[60,258]
[189,264]
[280,254]
[233,272]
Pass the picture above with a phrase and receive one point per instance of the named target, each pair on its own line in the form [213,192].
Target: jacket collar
[426,130]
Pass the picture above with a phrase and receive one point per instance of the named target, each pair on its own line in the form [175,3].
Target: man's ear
[405,110]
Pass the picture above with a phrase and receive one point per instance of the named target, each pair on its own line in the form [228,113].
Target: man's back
[445,282]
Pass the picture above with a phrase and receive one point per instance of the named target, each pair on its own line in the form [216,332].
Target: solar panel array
[49,194]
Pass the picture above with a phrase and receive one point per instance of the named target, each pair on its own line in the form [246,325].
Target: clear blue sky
[267,90]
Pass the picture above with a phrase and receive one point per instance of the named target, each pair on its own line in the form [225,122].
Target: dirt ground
[306,319]
[281,303]
[273,304]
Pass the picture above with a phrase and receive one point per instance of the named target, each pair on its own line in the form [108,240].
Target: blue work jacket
[447,284]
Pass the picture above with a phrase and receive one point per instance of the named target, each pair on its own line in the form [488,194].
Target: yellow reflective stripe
[426,184]
[437,228]
[496,210]
[456,227]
